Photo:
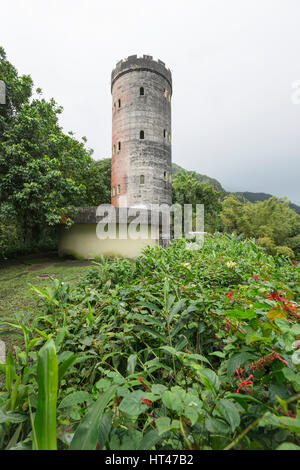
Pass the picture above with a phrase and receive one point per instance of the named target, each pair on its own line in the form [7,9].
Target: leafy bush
[176,349]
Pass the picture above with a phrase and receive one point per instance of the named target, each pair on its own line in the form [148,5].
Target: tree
[272,222]
[187,190]
[98,182]
[41,168]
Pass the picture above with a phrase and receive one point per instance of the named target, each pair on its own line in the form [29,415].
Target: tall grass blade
[45,418]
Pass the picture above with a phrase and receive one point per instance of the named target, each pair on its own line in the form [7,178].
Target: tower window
[119,145]
[113,191]
[114,107]
[114,150]
[142,179]
[165,133]
[119,103]
[165,93]
[142,91]
[118,189]
[142,135]
[165,176]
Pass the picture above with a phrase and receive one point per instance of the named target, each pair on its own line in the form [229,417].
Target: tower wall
[141,168]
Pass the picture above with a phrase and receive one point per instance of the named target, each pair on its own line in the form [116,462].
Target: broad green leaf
[75,398]
[217,426]
[149,440]
[152,332]
[61,333]
[288,446]
[172,401]
[64,366]
[176,308]
[10,371]
[158,389]
[131,363]
[229,412]
[293,424]
[191,413]
[163,425]
[86,434]
[12,417]
[210,379]
[47,377]
[132,403]
[238,360]
[104,428]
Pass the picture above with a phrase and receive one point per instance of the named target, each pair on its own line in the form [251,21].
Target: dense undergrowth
[177,349]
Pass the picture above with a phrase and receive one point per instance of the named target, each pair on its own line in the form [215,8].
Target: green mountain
[176,169]
[252,197]
[255,197]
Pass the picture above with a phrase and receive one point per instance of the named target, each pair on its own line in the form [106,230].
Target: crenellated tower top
[135,63]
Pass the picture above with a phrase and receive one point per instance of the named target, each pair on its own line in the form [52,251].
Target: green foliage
[154,355]
[188,190]
[42,170]
[275,226]
[98,182]
[45,418]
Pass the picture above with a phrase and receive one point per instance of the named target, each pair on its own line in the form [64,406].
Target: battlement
[134,63]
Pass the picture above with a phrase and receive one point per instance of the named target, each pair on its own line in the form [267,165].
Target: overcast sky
[233,63]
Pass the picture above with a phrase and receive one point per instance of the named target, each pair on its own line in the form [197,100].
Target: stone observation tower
[141,132]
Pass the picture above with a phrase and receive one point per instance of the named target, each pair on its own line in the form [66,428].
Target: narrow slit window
[118,189]
[142,91]
[165,133]
[113,191]
[119,103]
[142,135]
[165,93]
[165,176]
[114,149]
[119,146]
[142,179]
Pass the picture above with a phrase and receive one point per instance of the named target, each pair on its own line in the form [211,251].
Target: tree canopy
[272,222]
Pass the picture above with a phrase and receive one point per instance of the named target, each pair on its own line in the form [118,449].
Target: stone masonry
[141,132]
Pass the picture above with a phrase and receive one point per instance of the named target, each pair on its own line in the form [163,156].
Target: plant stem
[237,439]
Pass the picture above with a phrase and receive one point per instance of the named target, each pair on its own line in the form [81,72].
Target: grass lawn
[17,275]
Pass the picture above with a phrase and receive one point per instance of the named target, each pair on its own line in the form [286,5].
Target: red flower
[294,261]
[288,413]
[243,383]
[278,357]
[229,295]
[147,402]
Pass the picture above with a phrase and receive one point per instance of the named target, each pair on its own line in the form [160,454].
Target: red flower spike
[229,295]
[244,383]
[278,357]
[147,402]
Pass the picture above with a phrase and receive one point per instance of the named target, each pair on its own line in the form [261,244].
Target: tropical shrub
[272,223]
[176,349]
